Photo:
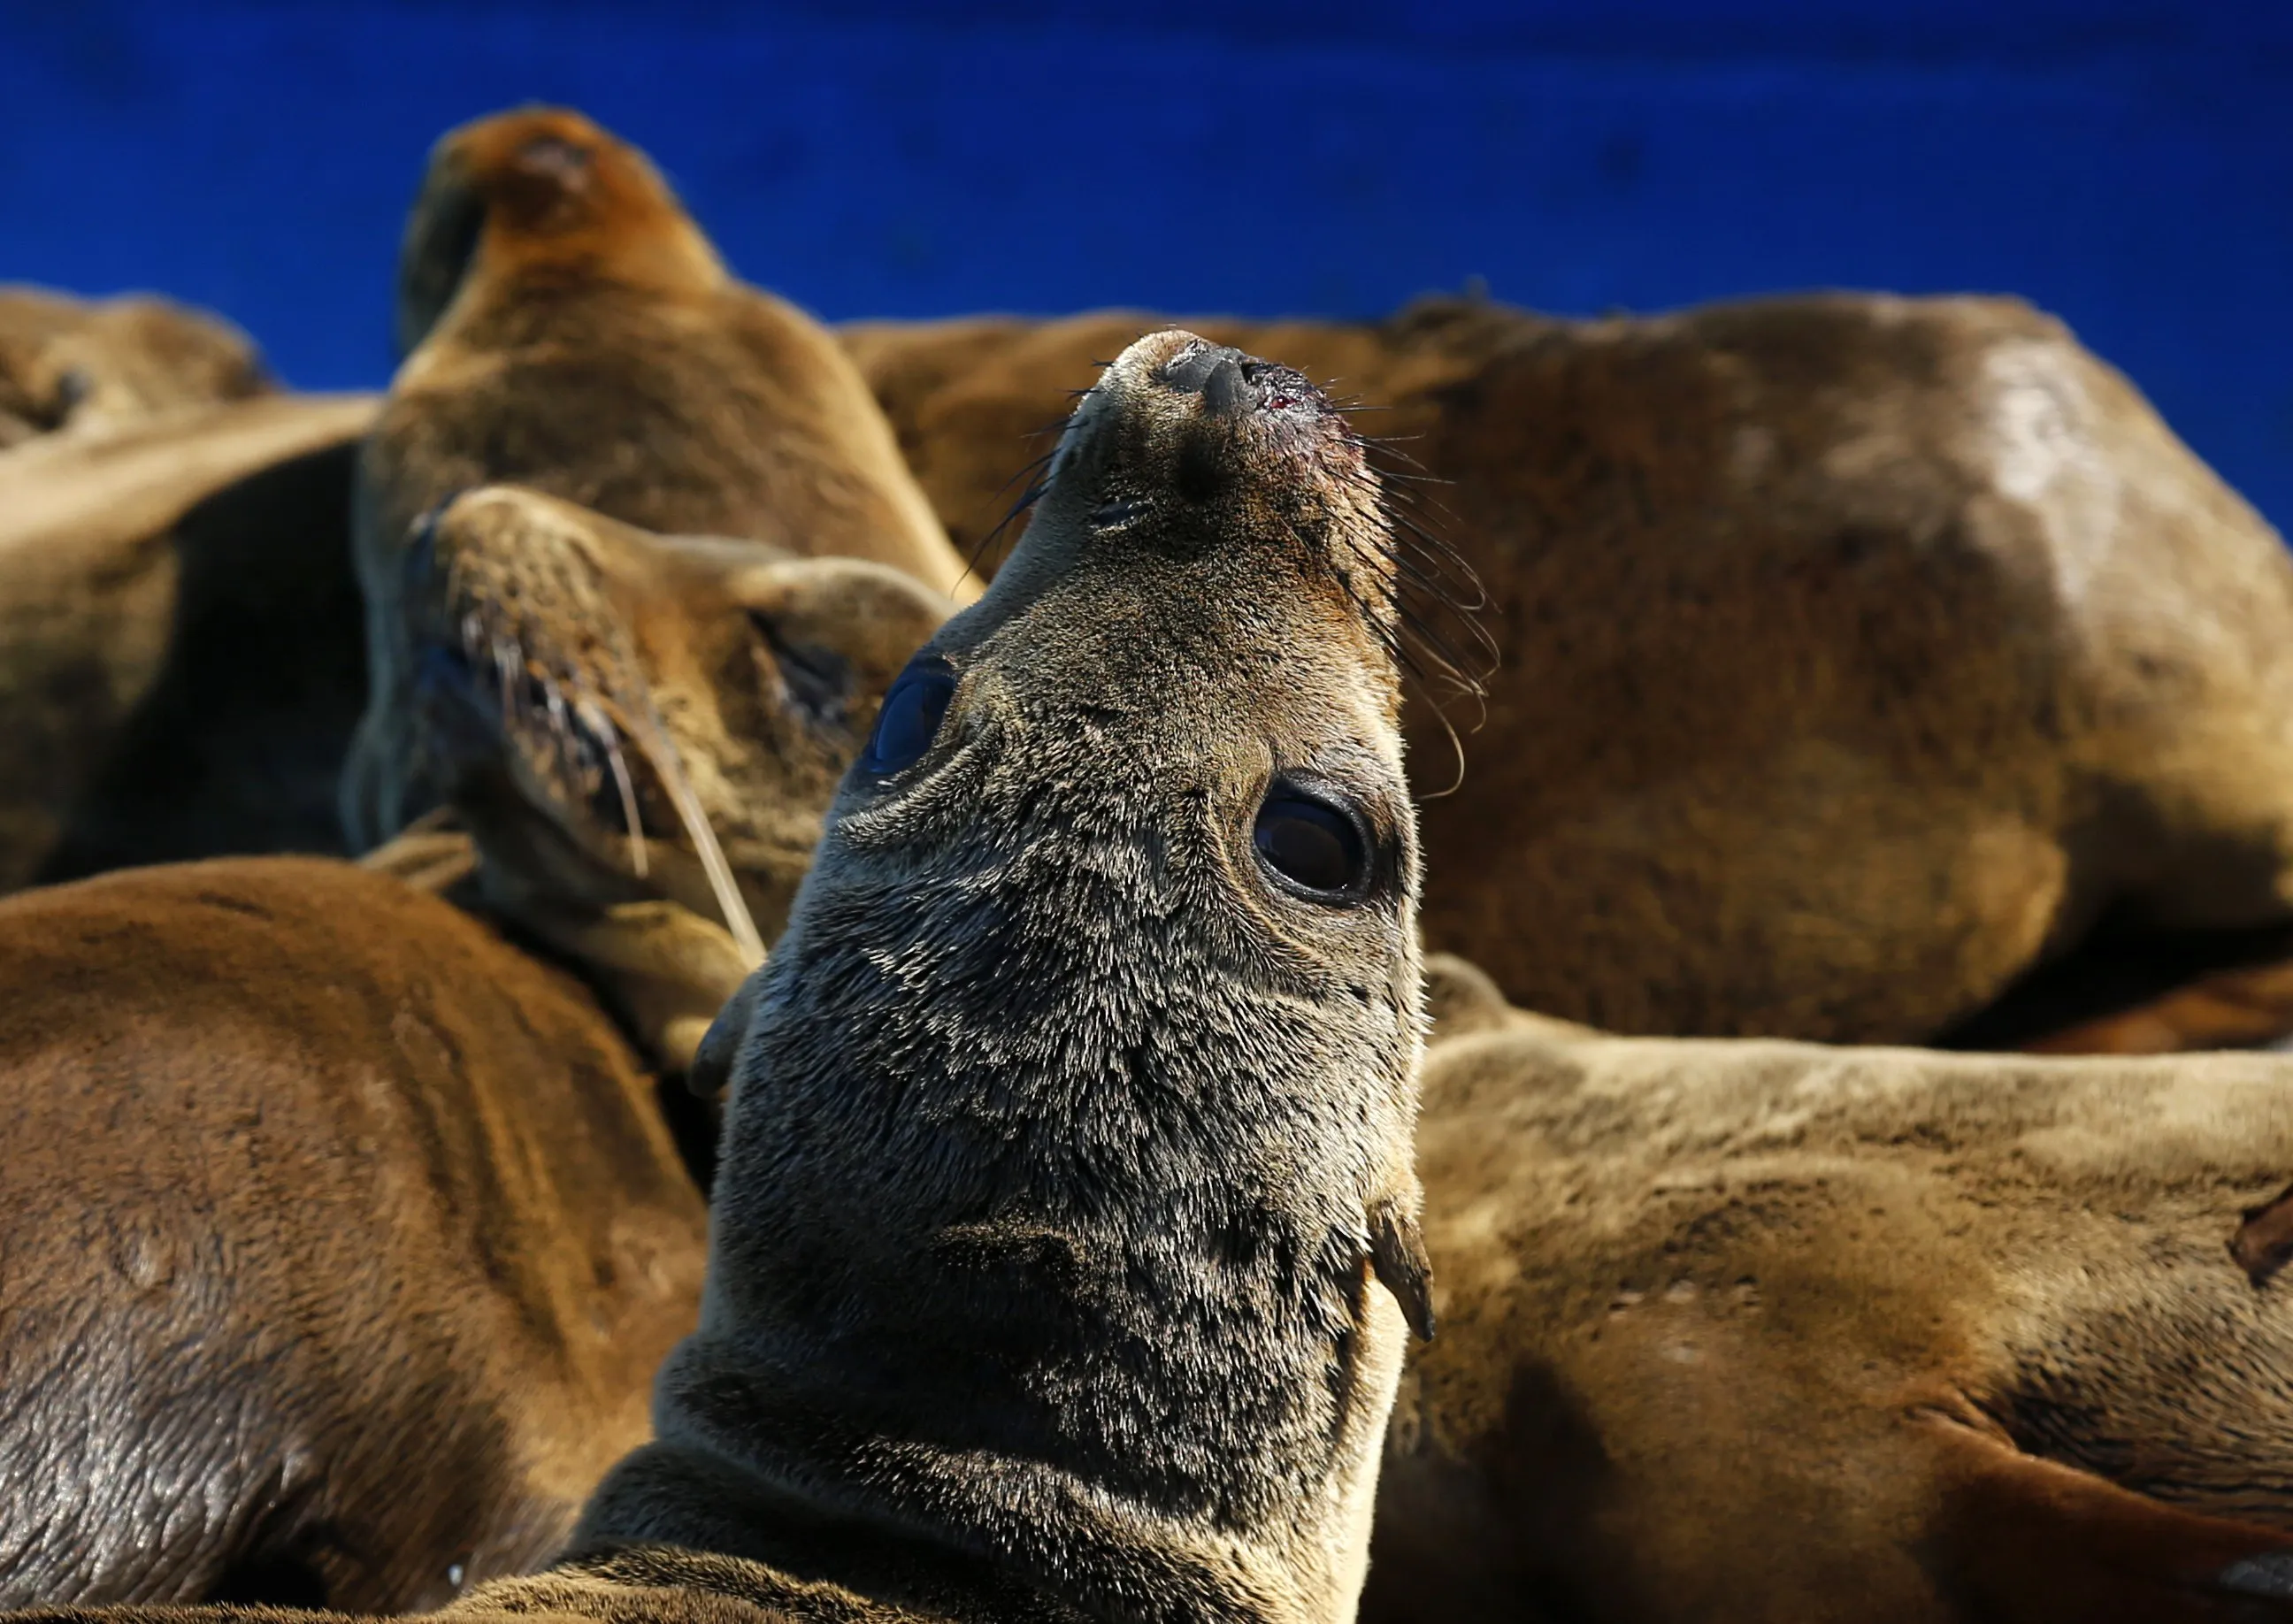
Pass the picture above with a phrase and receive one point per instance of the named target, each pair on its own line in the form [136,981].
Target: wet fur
[343,1237]
[1858,654]
[573,332]
[1753,1330]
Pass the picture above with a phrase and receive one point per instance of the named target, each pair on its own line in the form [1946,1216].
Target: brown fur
[488,1193]
[549,640]
[1858,654]
[180,664]
[1066,1146]
[92,365]
[1762,1331]
[342,1240]
[572,330]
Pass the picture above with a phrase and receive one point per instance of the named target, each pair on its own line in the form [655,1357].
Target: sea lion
[640,732]
[1858,654]
[343,1239]
[569,329]
[1751,1330]
[1065,1222]
[180,664]
[95,365]
[433,1118]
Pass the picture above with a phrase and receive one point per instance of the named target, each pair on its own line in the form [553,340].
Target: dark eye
[1319,848]
[910,717]
[817,682]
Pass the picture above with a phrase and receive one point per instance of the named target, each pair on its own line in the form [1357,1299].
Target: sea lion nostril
[1192,369]
[1226,391]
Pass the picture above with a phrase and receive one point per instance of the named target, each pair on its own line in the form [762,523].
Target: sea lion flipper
[711,1070]
[2036,1540]
[1397,1256]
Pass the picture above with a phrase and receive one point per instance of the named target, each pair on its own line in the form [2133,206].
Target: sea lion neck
[1068,1190]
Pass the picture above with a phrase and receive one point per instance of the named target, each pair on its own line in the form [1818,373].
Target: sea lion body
[180,631]
[572,330]
[344,1238]
[1757,1330]
[1857,654]
[390,1231]
[1065,1229]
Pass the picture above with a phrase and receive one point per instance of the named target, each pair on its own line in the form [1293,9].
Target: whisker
[651,739]
[601,727]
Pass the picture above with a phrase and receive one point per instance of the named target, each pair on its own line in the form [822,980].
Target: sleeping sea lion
[390,1232]
[342,1238]
[180,669]
[95,365]
[1858,654]
[569,329]
[1066,1231]
[1750,1331]
[640,732]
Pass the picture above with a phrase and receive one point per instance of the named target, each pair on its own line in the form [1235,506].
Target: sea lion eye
[1316,846]
[910,719]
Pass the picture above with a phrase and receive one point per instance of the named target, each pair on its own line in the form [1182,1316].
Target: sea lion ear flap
[840,628]
[711,1070]
[1397,1256]
[2018,1537]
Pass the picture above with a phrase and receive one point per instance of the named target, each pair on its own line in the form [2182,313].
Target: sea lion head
[102,364]
[1073,1115]
[539,192]
[624,719]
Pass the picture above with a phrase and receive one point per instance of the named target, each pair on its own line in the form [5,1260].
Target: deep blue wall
[2127,163]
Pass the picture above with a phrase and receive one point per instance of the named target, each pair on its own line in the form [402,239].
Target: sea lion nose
[1215,372]
[1226,392]
[555,159]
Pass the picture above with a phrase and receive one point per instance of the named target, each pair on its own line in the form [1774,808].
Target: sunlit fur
[571,329]
[1740,1331]
[1061,1139]
[1067,1213]
[603,707]
[1858,654]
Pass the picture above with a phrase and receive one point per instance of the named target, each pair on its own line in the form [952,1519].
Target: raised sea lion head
[541,186]
[1072,1122]
[642,731]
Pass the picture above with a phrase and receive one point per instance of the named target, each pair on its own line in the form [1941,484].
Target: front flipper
[2018,1538]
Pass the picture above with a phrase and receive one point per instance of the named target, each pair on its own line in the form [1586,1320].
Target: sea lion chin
[571,330]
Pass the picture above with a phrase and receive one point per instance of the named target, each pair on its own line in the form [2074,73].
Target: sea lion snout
[1214,372]
[555,159]
[1233,384]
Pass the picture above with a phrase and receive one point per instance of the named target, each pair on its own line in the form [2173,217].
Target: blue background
[2125,163]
